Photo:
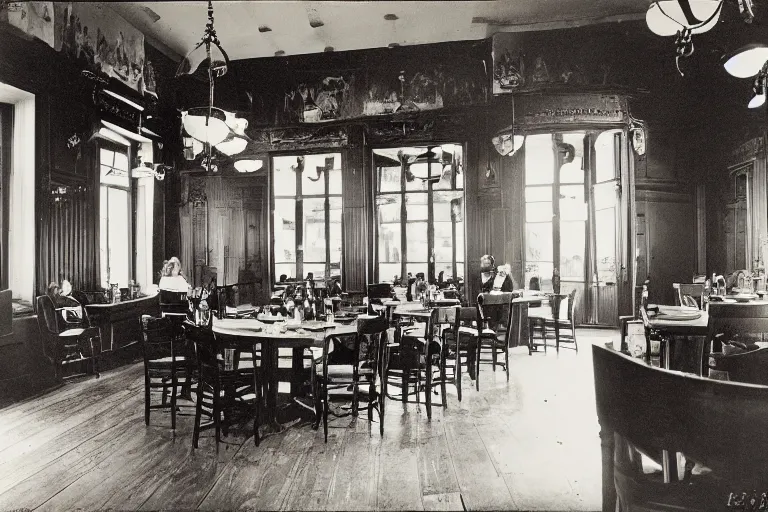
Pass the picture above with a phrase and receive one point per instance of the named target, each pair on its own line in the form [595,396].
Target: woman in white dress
[172,279]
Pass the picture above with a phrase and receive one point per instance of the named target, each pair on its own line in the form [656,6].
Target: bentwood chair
[687,294]
[221,389]
[493,312]
[554,326]
[165,366]
[719,427]
[65,343]
[424,351]
[460,349]
[365,368]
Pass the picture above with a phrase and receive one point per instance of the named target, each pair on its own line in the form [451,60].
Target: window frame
[430,192]
[7,114]
[298,197]
[131,190]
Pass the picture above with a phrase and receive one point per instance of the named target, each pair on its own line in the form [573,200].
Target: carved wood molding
[747,151]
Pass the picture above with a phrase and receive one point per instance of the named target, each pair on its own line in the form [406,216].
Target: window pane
[389,208]
[538,242]
[416,207]
[335,231]
[107,157]
[537,194]
[605,195]
[605,156]
[416,240]
[389,232]
[121,161]
[313,177]
[539,159]
[389,179]
[572,205]
[538,212]
[113,176]
[317,269]
[334,182]
[388,271]
[415,268]
[118,250]
[314,230]
[444,241]
[103,240]
[605,245]
[542,270]
[572,244]
[285,231]
[446,268]
[284,176]
[573,172]
[288,269]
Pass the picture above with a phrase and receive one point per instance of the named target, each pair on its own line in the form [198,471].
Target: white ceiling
[358,25]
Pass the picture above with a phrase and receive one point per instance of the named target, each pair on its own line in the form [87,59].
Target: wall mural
[526,61]
[91,34]
[391,86]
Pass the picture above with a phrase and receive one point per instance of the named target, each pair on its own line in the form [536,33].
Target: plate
[267,319]
[743,297]
[679,316]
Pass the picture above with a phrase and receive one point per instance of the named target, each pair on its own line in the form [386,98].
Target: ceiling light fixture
[747,61]
[668,17]
[210,125]
[249,165]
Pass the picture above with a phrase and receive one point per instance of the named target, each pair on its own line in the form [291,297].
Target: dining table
[250,334]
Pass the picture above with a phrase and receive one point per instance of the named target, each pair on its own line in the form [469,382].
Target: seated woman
[71,310]
[173,280]
[491,279]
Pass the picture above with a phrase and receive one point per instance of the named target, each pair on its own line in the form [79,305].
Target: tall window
[306,219]
[419,212]
[115,217]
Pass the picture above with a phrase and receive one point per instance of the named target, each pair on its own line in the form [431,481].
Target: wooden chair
[165,366]
[719,425]
[550,326]
[737,321]
[425,351]
[220,389]
[750,367]
[493,312]
[65,343]
[462,348]
[173,303]
[370,369]
[688,294]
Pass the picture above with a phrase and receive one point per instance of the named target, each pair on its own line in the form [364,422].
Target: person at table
[491,279]
[71,311]
[173,280]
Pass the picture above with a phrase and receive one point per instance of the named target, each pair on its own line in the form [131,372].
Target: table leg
[297,363]
[269,355]
[668,459]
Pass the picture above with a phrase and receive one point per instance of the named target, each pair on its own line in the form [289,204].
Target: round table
[251,332]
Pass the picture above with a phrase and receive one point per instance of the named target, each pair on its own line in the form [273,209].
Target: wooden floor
[530,444]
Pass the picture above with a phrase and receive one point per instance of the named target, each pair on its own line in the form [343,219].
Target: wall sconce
[758,99]
[747,61]
[637,131]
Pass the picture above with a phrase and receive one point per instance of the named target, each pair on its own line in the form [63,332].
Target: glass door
[571,218]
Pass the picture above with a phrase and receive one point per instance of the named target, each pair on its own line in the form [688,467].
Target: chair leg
[257,390]
[428,387]
[217,412]
[443,378]
[325,410]
[198,413]
[174,383]
[457,373]
[478,352]
[493,351]
[147,398]
[382,399]
[506,361]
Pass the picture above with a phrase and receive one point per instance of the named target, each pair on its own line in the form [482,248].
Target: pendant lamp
[668,17]
[747,61]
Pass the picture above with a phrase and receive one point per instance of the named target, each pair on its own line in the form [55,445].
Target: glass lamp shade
[197,59]
[248,165]
[213,132]
[236,124]
[667,17]
[232,146]
[758,100]
[747,61]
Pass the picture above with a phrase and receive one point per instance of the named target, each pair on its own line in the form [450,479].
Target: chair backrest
[46,315]
[689,294]
[556,301]
[161,337]
[494,305]
[206,348]
[741,319]
[750,367]
[718,424]
[168,297]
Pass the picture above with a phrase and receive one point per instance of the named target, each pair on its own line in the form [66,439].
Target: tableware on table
[268,319]
[677,314]
[743,297]
[316,325]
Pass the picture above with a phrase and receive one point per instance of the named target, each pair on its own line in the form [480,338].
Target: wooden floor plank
[260,477]
[353,486]
[313,479]
[398,485]
[443,502]
[33,458]
[481,485]
[437,474]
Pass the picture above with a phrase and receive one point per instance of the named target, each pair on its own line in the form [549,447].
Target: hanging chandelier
[684,18]
[209,125]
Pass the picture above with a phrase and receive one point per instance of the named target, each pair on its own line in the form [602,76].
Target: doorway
[572,218]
